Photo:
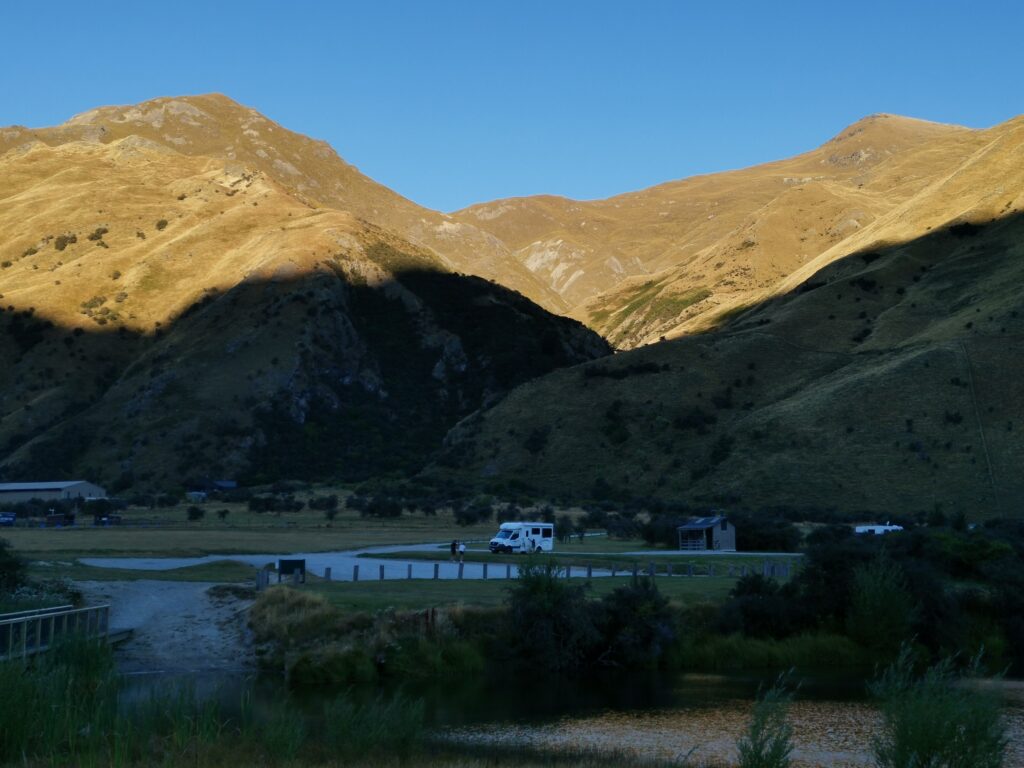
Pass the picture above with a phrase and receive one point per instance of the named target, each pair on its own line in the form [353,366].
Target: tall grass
[937,720]
[729,653]
[768,742]
[381,725]
[63,709]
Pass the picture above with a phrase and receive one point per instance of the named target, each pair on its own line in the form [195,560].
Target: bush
[474,512]
[636,624]
[551,627]
[881,614]
[382,506]
[162,224]
[63,241]
[760,607]
[11,568]
[324,503]
[195,514]
[937,719]
[768,742]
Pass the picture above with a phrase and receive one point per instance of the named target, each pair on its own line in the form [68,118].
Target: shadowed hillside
[177,301]
[889,380]
[322,376]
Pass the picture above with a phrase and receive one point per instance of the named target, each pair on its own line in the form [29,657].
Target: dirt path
[177,626]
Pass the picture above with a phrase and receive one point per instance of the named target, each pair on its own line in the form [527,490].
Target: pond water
[697,715]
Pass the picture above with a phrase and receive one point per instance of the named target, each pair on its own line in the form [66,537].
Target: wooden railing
[27,633]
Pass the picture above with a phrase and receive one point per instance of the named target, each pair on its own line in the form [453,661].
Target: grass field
[418,594]
[242,533]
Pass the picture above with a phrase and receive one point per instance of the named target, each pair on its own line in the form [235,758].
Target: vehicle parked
[8,519]
[524,537]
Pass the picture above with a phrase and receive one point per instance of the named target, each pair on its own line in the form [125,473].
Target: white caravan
[524,537]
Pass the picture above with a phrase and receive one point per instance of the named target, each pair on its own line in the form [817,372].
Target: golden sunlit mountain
[672,258]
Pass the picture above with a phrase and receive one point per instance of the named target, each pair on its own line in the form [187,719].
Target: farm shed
[703,534]
[12,493]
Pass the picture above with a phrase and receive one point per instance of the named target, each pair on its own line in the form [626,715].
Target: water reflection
[695,715]
[834,724]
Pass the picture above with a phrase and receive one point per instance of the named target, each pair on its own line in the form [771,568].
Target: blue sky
[451,103]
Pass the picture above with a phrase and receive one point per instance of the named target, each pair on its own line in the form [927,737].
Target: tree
[563,528]
[636,624]
[551,626]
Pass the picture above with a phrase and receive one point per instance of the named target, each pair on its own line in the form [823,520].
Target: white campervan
[524,537]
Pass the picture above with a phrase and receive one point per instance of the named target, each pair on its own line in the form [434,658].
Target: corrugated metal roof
[701,523]
[57,486]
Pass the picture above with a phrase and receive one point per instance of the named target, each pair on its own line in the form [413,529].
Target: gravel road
[177,626]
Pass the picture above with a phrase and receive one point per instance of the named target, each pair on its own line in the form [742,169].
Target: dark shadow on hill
[886,374]
[321,377]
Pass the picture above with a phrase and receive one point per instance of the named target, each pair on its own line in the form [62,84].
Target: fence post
[508,570]
[485,571]
[689,569]
[327,573]
[613,571]
[460,569]
[437,570]
[650,569]
[636,570]
[355,572]
[668,569]
[568,571]
[711,570]
[408,571]
[590,571]
[382,571]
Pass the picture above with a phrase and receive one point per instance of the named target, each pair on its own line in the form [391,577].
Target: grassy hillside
[166,315]
[669,259]
[885,381]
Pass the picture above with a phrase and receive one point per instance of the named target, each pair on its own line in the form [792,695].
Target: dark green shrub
[63,241]
[195,514]
[551,626]
[938,718]
[636,625]
[11,568]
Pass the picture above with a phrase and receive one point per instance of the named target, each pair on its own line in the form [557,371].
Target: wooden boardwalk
[27,633]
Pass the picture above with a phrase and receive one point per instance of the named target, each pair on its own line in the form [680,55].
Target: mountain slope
[167,314]
[241,140]
[885,381]
[669,259]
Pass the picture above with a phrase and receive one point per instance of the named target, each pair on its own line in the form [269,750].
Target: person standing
[462,551]
[454,548]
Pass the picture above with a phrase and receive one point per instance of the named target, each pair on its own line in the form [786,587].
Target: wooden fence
[27,633]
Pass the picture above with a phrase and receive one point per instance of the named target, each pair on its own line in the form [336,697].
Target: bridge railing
[27,633]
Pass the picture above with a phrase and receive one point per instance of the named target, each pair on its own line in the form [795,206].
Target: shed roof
[47,486]
[701,523]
